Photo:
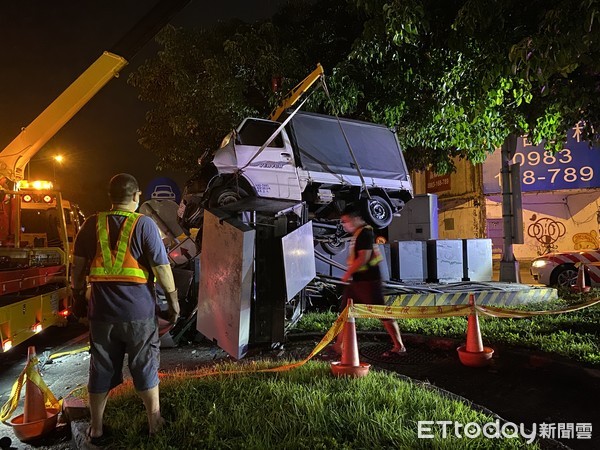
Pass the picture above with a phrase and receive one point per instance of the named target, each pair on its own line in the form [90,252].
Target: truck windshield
[256,133]
[41,221]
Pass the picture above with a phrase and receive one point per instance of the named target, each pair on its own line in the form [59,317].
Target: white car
[560,269]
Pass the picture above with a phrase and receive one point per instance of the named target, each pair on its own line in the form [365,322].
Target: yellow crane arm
[19,152]
[293,95]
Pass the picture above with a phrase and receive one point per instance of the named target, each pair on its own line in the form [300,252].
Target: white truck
[322,160]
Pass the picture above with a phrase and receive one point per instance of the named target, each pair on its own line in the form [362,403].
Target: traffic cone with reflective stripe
[580,285]
[473,353]
[36,420]
[350,364]
[35,407]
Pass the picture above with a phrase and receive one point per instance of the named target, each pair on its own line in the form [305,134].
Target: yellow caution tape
[329,336]
[28,373]
[361,311]
[395,312]
[56,355]
[515,313]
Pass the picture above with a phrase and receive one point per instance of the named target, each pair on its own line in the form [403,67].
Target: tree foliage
[456,77]
[204,82]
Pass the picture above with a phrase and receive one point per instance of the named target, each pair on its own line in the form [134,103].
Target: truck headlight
[539,263]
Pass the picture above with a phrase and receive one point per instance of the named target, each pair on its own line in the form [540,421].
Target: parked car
[560,269]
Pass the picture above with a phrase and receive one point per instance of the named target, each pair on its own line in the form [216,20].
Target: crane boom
[294,94]
[31,139]
[19,152]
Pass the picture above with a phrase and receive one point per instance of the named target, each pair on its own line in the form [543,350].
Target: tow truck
[34,260]
[37,226]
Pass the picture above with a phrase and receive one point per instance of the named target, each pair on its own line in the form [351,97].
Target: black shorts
[108,344]
[368,292]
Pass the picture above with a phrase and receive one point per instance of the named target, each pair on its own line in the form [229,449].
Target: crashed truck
[262,201]
[321,160]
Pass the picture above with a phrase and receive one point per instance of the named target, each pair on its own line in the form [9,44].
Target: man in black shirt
[364,274]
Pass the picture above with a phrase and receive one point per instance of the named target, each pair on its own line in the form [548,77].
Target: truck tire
[334,247]
[225,195]
[377,212]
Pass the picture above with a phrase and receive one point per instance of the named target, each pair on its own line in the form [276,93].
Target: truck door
[272,171]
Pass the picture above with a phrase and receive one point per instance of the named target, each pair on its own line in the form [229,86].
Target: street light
[56,159]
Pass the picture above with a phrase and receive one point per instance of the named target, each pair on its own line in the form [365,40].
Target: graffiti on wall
[586,240]
[546,232]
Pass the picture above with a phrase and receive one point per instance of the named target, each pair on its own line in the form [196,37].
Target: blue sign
[163,188]
[576,166]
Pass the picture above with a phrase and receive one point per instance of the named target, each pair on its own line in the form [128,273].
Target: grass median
[304,408]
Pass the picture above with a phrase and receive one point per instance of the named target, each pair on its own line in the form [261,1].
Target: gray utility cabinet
[418,220]
[445,260]
[409,261]
[477,259]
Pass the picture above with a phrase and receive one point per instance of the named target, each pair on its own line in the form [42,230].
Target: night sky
[46,45]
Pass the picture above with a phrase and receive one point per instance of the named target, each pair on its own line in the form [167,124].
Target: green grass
[575,335]
[305,408]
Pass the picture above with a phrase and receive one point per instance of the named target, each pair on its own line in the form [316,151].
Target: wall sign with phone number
[553,171]
[577,166]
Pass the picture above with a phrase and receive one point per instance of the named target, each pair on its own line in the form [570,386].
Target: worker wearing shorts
[121,252]
[364,274]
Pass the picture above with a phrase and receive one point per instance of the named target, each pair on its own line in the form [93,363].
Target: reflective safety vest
[116,264]
[376,257]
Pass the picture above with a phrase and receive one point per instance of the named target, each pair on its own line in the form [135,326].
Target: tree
[457,77]
[204,82]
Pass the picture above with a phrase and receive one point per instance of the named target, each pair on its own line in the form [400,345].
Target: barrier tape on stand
[362,311]
[28,373]
[393,312]
[493,311]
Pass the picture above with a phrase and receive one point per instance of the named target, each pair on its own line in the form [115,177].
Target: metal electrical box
[477,259]
[226,282]
[418,220]
[335,265]
[445,260]
[409,261]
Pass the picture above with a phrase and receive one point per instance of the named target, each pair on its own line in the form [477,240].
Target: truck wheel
[377,212]
[225,195]
[334,247]
[564,276]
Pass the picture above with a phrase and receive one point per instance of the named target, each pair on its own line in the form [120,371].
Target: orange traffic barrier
[580,285]
[473,353]
[36,420]
[350,364]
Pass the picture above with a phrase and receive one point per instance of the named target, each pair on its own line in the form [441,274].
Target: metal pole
[509,266]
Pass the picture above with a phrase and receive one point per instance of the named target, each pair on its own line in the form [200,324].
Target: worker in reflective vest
[122,253]
[364,275]
[117,264]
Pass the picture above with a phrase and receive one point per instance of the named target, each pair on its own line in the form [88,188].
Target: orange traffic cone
[35,407]
[350,364]
[36,420]
[580,283]
[474,354]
